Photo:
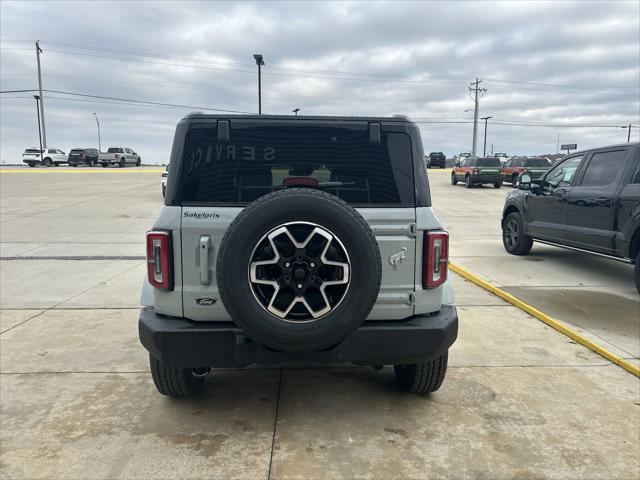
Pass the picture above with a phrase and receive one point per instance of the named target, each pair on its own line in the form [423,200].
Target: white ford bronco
[306,239]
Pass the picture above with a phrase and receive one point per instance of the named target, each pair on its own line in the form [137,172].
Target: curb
[543,317]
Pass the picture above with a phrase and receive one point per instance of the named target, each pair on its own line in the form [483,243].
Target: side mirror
[524,181]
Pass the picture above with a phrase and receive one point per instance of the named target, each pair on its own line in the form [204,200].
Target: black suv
[88,156]
[436,159]
[589,201]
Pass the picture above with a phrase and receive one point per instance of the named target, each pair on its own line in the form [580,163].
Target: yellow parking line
[543,317]
[39,171]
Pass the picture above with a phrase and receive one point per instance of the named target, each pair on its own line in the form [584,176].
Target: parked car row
[490,170]
[47,157]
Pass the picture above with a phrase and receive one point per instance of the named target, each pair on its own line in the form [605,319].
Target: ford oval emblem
[205,301]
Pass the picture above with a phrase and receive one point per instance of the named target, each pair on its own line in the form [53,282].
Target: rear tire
[454,179]
[105,165]
[176,382]
[497,185]
[47,162]
[467,181]
[31,164]
[514,239]
[122,163]
[138,162]
[636,271]
[90,163]
[425,377]
[57,164]
[73,164]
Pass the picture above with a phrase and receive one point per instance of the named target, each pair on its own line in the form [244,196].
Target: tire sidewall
[518,219]
[233,277]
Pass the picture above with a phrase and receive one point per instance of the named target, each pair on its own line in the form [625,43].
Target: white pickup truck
[120,156]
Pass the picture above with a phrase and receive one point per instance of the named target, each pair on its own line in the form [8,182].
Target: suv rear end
[485,171]
[88,156]
[437,159]
[355,185]
[32,156]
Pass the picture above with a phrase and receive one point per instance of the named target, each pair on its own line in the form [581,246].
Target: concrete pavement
[76,398]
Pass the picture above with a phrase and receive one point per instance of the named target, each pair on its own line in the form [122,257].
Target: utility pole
[39,134]
[484,150]
[477,93]
[44,130]
[259,61]
[629,134]
[558,144]
[99,142]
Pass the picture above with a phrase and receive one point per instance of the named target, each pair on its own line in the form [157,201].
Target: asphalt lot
[520,399]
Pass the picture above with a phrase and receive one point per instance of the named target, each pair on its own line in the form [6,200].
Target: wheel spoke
[306,264]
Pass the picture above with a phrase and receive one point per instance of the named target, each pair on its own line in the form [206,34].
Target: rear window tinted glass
[488,162]
[32,150]
[604,168]
[261,159]
[537,162]
[115,150]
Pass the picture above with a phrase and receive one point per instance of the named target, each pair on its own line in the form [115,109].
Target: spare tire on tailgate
[298,270]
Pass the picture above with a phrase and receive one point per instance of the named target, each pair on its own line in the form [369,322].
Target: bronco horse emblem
[398,258]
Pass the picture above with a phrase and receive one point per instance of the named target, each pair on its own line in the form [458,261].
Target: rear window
[261,159]
[115,150]
[76,150]
[31,150]
[537,162]
[488,162]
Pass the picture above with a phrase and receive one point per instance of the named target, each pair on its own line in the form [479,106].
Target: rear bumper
[181,343]
[486,178]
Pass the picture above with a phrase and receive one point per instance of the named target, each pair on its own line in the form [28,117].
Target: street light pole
[484,154]
[296,110]
[37,97]
[99,142]
[259,61]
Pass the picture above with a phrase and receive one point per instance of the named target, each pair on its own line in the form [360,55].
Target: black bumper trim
[181,343]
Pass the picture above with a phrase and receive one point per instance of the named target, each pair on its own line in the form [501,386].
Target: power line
[334,75]
[146,102]
[332,72]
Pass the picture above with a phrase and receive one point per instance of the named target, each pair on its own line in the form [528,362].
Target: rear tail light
[435,258]
[160,259]
[300,182]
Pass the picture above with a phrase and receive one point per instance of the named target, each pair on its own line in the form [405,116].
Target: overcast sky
[556,63]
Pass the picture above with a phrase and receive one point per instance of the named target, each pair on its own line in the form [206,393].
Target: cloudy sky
[558,68]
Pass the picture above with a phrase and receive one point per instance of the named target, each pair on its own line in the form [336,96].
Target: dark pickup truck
[588,201]
[436,159]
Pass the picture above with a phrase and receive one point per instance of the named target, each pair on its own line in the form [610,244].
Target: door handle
[205,245]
